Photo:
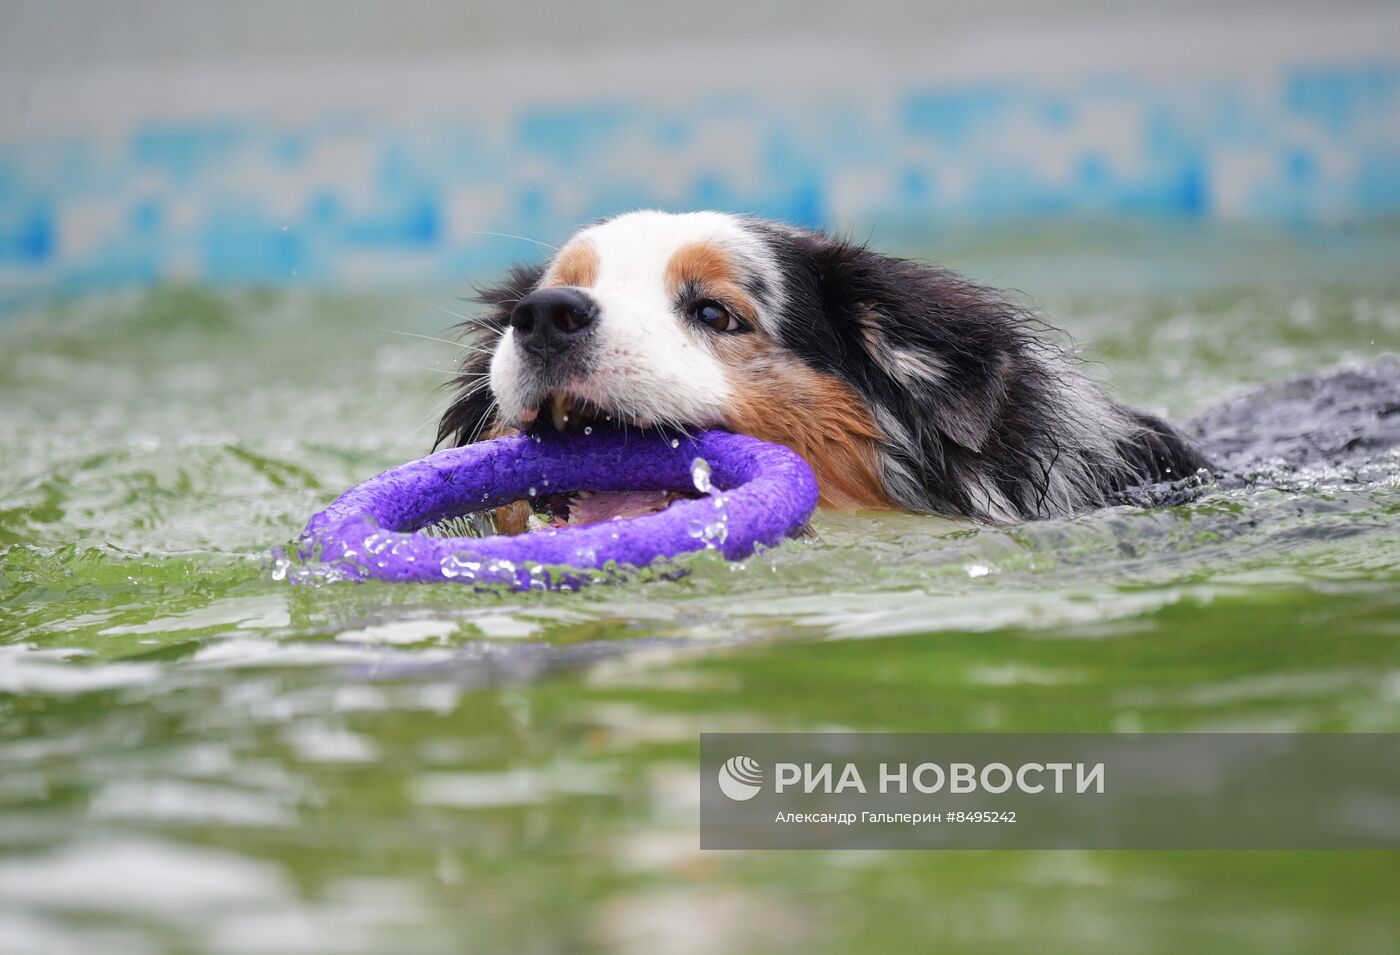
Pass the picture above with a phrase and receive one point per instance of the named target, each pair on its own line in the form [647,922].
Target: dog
[903,385]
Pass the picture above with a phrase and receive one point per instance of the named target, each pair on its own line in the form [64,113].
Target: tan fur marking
[711,268]
[779,399]
[511,518]
[576,265]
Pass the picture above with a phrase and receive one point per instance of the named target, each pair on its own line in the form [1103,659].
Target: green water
[195,757]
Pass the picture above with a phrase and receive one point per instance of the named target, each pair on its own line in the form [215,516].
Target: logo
[740,778]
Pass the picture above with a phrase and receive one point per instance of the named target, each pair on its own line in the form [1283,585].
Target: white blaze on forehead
[647,362]
[634,249]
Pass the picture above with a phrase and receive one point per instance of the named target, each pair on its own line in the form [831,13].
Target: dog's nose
[549,321]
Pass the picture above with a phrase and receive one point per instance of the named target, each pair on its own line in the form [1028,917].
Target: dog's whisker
[521,238]
[430,338]
[479,350]
[443,308]
[474,389]
[429,420]
[481,425]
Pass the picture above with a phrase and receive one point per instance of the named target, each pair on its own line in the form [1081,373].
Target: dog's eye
[716,316]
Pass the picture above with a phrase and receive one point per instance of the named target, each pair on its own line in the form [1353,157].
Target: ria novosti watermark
[929,778]
[1159,791]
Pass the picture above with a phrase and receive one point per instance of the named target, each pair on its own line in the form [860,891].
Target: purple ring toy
[761,493]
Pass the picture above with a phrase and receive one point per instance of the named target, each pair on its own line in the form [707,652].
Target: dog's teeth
[559,410]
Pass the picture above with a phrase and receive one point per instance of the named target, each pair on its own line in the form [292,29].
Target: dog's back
[1334,418]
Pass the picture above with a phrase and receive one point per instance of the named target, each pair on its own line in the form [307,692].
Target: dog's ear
[471,416]
[948,365]
[937,348]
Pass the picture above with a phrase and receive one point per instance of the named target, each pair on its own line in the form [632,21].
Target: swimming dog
[904,385]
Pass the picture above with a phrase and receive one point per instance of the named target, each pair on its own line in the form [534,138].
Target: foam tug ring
[756,494]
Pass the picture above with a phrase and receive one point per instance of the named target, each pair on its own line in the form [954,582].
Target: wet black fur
[469,415]
[988,414]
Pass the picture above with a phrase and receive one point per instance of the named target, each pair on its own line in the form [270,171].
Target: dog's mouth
[582,508]
[566,412]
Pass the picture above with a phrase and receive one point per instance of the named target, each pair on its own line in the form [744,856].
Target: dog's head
[649,317]
[901,384]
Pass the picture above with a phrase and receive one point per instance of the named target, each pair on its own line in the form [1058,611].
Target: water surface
[195,757]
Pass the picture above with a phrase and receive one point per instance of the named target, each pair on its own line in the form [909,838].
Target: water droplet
[588,429]
[700,475]
[460,564]
[675,442]
[501,570]
[717,532]
[978,570]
